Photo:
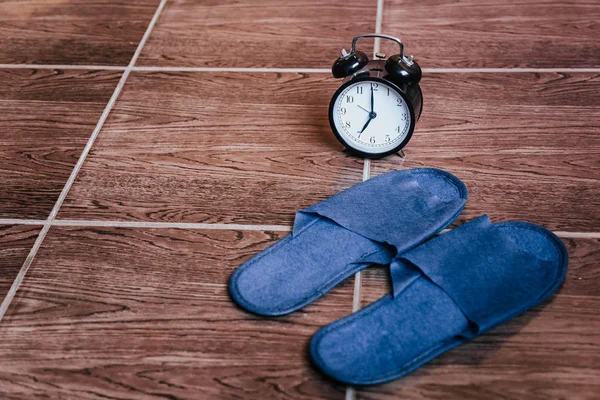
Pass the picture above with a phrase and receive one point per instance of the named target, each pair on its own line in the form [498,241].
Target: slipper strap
[371,210]
[480,268]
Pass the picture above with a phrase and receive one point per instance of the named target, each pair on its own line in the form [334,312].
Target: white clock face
[371,116]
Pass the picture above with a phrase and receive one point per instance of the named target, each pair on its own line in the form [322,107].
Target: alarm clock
[373,113]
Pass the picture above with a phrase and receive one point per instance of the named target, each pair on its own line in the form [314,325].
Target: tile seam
[177,225]
[63,66]
[150,68]
[18,221]
[199,225]
[233,69]
[350,392]
[504,70]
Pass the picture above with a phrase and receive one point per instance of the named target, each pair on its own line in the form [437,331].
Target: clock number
[347,124]
[343,111]
[402,118]
[374,85]
[387,138]
[359,90]
[399,102]
[388,91]
[398,129]
[349,99]
[372,139]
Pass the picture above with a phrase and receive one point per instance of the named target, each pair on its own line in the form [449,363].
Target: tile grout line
[63,194]
[177,225]
[215,69]
[63,66]
[378,22]
[358,275]
[16,221]
[577,235]
[282,70]
[217,226]
[502,70]
[350,392]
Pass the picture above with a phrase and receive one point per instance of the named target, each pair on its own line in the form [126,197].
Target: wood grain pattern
[550,352]
[526,145]
[15,243]
[139,314]
[496,33]
[265,33]
[46,118]
[104,32]
[214,147]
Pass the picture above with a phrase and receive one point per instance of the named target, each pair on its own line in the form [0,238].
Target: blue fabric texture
[370,223]
[445,292]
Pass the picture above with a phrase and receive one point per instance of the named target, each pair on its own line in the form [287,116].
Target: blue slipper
[445,292]
[367,224]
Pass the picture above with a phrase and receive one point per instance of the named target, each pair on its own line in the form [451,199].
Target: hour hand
[367,124]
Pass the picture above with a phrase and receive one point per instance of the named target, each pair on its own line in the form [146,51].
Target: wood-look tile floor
[104,32]
[46,117]
[128,195]
[213,147]
[248,33]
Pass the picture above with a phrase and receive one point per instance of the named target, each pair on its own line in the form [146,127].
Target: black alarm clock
[373,113]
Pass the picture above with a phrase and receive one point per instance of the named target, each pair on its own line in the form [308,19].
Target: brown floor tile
[46,118]
[497,33]
[15,243]
[268,33]
[550,352]
[140,313]
[214,147]
[69,32]
[526,145]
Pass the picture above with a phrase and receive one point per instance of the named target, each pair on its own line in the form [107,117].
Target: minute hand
[372,99]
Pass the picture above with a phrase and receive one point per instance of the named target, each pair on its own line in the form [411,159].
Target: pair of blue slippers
[445,290]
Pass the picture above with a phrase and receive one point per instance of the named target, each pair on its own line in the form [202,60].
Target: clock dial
[371,116]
